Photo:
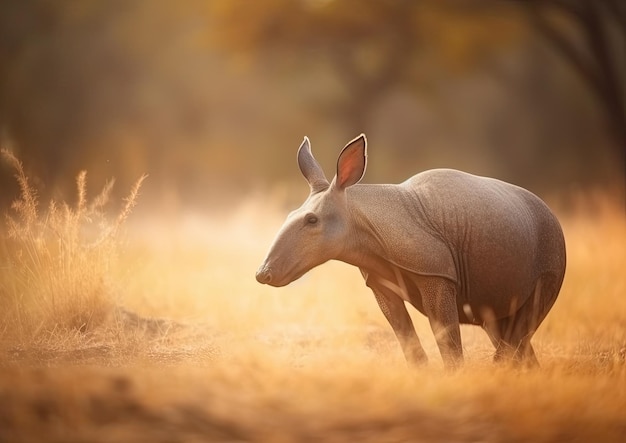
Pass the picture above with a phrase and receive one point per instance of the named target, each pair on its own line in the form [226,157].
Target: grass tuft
[56,262]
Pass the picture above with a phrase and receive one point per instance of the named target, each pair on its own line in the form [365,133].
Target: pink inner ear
[351,167]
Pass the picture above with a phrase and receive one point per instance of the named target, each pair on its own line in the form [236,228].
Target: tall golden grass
[55,263]
[314,361]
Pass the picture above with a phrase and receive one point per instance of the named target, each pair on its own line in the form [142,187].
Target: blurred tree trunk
[596,51]
[368,75]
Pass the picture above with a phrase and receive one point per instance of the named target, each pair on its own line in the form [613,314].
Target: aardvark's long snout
[264,274]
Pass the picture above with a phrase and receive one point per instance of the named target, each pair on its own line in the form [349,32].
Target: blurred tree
[122,87]
[591,36]
[372,47]
[81,82]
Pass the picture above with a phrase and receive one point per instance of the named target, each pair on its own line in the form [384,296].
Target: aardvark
[460,248]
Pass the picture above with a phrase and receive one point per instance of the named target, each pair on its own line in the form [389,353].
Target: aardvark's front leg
[395,311]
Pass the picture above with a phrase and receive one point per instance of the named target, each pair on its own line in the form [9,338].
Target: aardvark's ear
[310,168]
[352,163]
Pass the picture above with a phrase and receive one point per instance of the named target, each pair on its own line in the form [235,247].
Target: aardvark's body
[458,247]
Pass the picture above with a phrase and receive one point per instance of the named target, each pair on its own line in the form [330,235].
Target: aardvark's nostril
[263,275]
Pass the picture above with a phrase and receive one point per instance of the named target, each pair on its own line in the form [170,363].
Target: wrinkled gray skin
[461,249]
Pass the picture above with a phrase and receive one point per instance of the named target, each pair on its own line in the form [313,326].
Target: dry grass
[315,361]
[55,263]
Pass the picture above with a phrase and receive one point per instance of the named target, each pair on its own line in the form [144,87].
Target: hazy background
[212,98]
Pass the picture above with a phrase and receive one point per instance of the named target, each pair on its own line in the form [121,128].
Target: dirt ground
[303,386]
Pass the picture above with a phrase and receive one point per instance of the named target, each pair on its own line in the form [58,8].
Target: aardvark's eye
[311,219]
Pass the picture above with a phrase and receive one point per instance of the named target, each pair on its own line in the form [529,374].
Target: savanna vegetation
[135,329]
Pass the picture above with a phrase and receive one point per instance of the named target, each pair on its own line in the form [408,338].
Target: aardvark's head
[318,230]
